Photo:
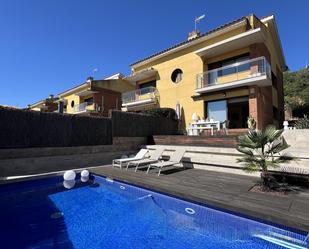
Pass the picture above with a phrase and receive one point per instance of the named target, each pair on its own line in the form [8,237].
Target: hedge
[162,112]
[22,129]
[129,124]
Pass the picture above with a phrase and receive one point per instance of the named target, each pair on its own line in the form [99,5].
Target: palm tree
[262,150]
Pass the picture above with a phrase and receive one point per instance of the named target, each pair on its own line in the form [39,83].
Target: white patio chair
[123,161]
[174,160]
[155,156]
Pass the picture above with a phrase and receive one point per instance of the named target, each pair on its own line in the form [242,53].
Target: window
[217,110]
[89,101]
[176,75]
[229,62]
[235,68]
[72,103]
[152,83]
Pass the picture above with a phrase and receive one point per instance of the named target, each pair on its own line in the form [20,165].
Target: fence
[128,124]
[25,129]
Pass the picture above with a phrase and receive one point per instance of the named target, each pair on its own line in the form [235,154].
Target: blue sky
[47,46]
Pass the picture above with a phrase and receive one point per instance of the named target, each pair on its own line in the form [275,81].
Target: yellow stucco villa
[226,74]
[92,97]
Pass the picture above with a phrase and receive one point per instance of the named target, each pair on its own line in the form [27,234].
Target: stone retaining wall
[15,162]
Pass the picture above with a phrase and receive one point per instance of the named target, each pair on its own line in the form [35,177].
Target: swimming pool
[103,213]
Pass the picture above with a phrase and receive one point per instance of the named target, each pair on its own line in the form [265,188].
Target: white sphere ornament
[84,173]
[69,175]
[84,178]
[68,184]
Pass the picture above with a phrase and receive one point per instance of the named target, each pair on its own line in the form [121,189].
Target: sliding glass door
[217,110]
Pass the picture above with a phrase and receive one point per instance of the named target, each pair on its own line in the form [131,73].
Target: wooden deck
[222,190]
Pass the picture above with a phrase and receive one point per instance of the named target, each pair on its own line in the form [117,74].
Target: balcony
[140,97]
[250,72]
[84,108]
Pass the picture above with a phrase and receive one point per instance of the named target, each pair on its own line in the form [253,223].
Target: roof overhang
[85,93]
[75,89]
[116,76]
[241,23]
[232,43]
[38,104]
[145,74]
[275,34]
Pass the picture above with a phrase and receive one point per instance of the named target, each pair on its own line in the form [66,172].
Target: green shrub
[302,123]
[162,112]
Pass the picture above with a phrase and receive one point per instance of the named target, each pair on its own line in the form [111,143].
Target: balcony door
[238,112]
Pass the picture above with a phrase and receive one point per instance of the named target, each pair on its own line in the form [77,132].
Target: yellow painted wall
[234,77]
[69,99]
[37,109]
[191,65]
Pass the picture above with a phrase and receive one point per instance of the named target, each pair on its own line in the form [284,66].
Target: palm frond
[245,151]
[278,146]
[251,167]
[260,147]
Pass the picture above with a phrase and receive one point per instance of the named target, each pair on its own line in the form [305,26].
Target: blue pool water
[105,214]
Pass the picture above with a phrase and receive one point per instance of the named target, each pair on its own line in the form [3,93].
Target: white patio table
[205,125]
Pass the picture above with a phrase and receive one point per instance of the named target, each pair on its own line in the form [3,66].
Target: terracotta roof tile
[194,39]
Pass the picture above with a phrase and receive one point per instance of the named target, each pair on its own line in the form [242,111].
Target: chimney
[194,34]
[89,79]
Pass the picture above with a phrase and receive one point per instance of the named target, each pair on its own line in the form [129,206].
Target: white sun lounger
[123,161]
[154,158]
[174,160]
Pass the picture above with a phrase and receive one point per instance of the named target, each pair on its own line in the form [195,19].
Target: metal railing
[139,95]
[238,71]
[83,107]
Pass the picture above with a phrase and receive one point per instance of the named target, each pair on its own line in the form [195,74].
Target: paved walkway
[228,191]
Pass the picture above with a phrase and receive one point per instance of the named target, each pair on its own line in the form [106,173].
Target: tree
[261,151]
[296,91]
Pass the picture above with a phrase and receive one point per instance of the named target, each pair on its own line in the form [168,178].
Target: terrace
[221,190]
[142,97]
[84,107]
[255,71]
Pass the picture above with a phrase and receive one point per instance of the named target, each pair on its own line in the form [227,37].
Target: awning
[233,43]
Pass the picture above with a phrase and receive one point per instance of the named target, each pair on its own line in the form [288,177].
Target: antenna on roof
[197,20]
[94,71]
